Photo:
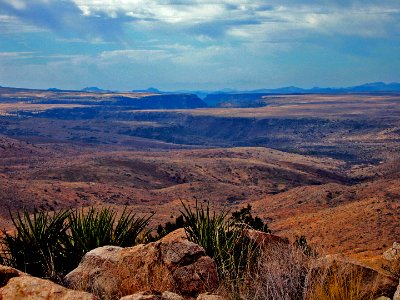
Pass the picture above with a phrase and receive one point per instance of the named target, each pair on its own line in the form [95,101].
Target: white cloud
[133,55]
[254,19]
[10,56]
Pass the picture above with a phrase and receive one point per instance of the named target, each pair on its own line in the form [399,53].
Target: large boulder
[32,288]
[179,266]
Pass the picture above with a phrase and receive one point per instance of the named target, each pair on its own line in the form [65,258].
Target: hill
[313,165]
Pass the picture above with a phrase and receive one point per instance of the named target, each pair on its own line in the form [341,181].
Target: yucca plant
[95,228]
[37,246]
[49,245]
[222,239]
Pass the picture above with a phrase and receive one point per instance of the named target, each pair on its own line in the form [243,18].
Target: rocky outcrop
[392,253]
[178,266]
[31,288]
[153,295]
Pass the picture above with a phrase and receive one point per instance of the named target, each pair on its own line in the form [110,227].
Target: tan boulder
[153,295]
[32,288]
[178,266]
[176,235]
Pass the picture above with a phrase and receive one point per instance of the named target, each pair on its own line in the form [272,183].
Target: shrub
[244,216]
[49,245]
[169,227]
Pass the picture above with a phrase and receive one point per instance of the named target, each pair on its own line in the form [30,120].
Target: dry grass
[280,273]
[339,281]
[288,274]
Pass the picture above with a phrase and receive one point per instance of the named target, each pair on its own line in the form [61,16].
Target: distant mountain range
[368,87]
[364,88]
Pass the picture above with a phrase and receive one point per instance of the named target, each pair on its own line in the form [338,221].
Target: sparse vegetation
[50,244]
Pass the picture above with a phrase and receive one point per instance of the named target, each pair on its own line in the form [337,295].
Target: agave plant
[37,246]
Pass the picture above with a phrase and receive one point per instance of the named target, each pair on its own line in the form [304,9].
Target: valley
[323,166]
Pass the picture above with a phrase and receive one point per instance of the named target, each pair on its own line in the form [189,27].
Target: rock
[383,298]
[176,235]
[209,296]
[266,239]
[269,243]
[153,295]
[179,266]
[392,253]
[373,282]
[32,288]
[397,294]
[6,273]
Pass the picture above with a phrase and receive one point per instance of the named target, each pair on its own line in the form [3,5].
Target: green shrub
[169,227]
[244,216]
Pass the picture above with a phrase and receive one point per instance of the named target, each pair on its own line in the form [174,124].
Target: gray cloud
[64,18]
[226,18]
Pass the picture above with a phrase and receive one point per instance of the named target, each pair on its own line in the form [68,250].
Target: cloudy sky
[198,44]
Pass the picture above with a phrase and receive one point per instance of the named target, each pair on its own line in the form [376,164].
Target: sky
[198,45]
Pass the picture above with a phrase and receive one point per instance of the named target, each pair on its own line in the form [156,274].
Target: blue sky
[202,45]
